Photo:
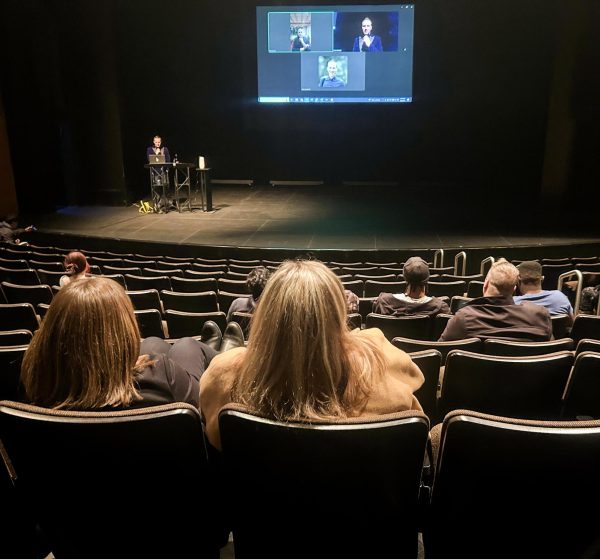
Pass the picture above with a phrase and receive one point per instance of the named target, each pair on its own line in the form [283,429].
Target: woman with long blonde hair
[87,355]
[302,362]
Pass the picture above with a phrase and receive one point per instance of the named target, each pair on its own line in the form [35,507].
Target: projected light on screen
[335,54]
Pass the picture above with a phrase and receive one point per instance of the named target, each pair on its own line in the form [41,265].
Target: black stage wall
[85,86]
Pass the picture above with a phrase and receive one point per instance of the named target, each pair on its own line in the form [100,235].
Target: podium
[159,185]
[205,188]
[182,184]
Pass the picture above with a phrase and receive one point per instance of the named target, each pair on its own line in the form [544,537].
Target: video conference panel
[335,54]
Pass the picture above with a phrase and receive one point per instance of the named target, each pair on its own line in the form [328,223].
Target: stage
[314,218]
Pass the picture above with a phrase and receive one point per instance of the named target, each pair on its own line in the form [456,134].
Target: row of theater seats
[339,488]
[191,310]
[522,379]
[492,486]
[527,380]
[40,255]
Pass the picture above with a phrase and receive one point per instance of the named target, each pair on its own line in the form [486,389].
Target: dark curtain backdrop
[86,85]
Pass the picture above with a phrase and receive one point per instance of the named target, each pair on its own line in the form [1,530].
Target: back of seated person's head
[84,355]
[257,280]
[501,280]
[301,351]
[76,263]
[416,272]
[530,273]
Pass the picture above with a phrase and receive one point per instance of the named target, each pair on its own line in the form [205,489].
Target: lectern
[182,182]
[159,185]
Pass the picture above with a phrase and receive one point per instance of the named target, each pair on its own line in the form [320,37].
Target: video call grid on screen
[335,54]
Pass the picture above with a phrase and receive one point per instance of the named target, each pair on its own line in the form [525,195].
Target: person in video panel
[331,79]
[367,42]
[301,42]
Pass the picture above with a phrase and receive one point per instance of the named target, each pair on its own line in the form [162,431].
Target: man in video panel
[331,79]
[301,42]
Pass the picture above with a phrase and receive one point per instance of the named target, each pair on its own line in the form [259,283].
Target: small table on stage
[205,188]
[181,173]
[159,185]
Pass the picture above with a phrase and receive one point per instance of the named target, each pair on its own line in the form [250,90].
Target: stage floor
[313,217]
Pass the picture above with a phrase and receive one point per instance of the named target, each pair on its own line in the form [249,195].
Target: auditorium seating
[150,323]
[15,337]
[340,488]
[141,283]
[581,397]
[243,319]
[114,484]
[527,387]
[10,371]
[188,285]
[356,286]
[49,277]
[190,302]
[458,303]
[508,487]
[18,316]
[409,345]
[20,277]
[448,288]
[181,324]
[509,348]
[417,327]
[586,326]
[225,299]
[33,294]
[374,287]
[430,362]
[587,344]
[145,299]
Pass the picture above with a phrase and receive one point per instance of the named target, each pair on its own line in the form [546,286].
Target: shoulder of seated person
[227,356]
[534,307]
[373,333]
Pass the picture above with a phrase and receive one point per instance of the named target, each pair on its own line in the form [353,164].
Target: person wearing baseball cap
[415,299]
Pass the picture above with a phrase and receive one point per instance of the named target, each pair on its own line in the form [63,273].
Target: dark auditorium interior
[496,156]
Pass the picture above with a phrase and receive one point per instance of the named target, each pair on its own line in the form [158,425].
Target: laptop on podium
[156,158]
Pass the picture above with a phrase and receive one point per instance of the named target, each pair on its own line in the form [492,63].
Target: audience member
[495,315]
[530,286]
[87,355]
[414,300]
[302,362]
[76,266]
[352,301]
[255,282]
[10,230]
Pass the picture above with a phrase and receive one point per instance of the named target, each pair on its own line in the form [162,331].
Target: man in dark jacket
[495,315]
[414,300]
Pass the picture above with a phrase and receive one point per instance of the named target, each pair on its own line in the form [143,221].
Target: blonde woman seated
[87,355]
[76,266]
[303,363]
